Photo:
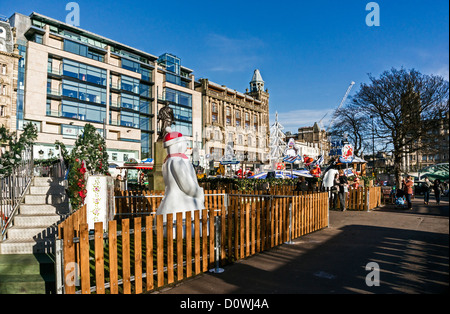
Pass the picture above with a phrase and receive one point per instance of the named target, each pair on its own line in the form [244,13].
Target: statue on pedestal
[182,192]
[166,117]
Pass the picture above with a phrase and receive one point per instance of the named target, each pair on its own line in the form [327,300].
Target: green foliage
[12,157]
[88,156]
[245,184]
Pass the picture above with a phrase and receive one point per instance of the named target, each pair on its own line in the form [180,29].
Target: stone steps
[34,228]
[27,274]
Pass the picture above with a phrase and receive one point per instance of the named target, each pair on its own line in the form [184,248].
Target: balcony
[53,92]
[54,71]
[53,113]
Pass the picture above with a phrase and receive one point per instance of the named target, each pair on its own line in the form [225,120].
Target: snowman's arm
[183,177]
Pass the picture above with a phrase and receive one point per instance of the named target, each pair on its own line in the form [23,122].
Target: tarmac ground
[383,251]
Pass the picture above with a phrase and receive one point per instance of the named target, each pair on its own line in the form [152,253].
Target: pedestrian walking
[302,186]
[343,189]
[408,188]
[335,191]
[437,187]
[428,186]
[118,183]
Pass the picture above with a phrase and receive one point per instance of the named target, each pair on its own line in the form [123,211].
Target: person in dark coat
[343,189]
[437,187]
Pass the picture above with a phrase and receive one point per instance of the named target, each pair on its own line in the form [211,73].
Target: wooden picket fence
[139,254]
[363,198]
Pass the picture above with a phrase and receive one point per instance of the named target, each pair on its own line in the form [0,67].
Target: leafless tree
[405,106]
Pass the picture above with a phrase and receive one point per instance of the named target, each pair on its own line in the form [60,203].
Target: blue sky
[308,52]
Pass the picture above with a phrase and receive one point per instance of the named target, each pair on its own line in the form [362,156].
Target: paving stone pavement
[410,247]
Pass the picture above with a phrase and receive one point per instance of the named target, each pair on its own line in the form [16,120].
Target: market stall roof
[438,171]
[146,164]
[358,160]
[285,174]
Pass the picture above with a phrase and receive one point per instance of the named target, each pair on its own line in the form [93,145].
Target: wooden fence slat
[149,252]
[126,273]
[247,229]
[179,233]
[84,259]
[212,231]
[169,237]
[138,254]
[159,250]
[242,229]
[69,256]
[113,262]
[197,241]
[188,244]
[99,258]
[205,240]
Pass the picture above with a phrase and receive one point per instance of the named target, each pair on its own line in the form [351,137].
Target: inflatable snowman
[182,193]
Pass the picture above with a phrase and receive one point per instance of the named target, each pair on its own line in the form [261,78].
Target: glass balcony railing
[53,92]
[54,71]
[53,113]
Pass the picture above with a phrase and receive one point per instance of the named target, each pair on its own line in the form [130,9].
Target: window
[184,128]
[3,69]
[178,97]
[173,79]
[3,90]
[37,38]
[181,113]
[171,62]
[2,111]
[144,107]
[84,92]
[129,119]
[82,50]
[84,72]
[214,107]
[131,65]
[85,112]
[146,75]
[144,123]
[130,102]
[130,84]
[145,91]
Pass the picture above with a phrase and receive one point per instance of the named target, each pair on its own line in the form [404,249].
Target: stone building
[9,60]
[314,137]
[237,119]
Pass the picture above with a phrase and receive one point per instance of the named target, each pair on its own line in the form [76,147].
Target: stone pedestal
[99,200]
[156,180]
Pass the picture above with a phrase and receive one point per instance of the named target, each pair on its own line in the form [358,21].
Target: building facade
[71,77]
[314,140]
[9,62]
[237,119]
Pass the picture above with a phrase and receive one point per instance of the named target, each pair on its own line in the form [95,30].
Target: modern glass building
[69,76]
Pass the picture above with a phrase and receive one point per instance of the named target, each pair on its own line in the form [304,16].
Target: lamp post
[373,145]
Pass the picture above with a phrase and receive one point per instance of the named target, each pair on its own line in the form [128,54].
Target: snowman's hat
[172,137]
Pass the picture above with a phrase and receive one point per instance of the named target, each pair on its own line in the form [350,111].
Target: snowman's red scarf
[176,155]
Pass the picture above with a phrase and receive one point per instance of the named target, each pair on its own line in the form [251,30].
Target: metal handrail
[13,189]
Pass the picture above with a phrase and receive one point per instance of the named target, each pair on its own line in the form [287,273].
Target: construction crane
[337,110]
[342,102]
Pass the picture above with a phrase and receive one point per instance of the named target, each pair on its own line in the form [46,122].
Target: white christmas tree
[277,143]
